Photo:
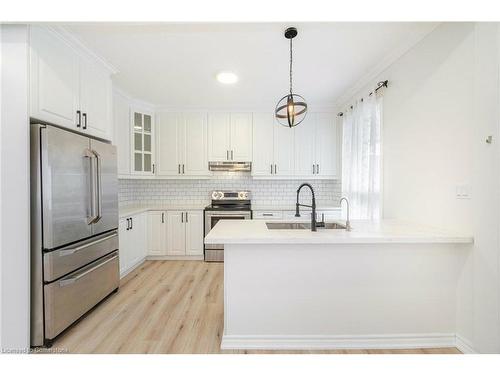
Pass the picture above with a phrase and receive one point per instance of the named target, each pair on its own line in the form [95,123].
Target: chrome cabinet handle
[314,169]
[275,169]
[182,168]
[73,279]
[64,252]
[317,168]
[271,169]
[267,214]
[79,123]
[182,217]
[153,168]
[186,217]
[85,121]
[93,182]
[163,217]
[99,187]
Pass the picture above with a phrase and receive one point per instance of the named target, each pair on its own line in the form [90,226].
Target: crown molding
[81,47]
[383,65]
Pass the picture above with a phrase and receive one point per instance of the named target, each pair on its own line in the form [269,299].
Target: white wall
[14,192]
[441,103]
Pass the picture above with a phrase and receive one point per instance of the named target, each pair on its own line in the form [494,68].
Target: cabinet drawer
[266,215]
[59,262]
[69,298]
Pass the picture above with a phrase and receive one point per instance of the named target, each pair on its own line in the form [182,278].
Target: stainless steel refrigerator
[74,221]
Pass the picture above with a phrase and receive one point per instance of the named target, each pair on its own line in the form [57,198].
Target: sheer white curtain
[361,158]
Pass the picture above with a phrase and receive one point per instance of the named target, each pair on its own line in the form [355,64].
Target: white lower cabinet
[132,236]
[175,233]
[184,233]
[157,233]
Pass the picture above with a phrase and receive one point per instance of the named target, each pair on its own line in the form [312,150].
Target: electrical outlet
[463,191]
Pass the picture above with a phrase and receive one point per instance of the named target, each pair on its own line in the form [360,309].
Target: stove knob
[243,195]
[215,195]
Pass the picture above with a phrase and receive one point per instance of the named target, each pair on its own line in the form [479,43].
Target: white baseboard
[325,342]
[464,345]
[174,257]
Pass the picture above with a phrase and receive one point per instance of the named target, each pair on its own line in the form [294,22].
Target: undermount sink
[277,225]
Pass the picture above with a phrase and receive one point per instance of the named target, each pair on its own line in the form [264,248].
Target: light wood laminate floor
[169,307]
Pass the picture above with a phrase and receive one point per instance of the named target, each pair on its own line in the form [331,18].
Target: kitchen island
[384,285]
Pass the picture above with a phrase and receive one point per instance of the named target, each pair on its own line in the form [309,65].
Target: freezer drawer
[69,298]
[62,261]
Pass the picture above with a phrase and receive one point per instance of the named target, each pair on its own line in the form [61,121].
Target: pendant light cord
[291,61]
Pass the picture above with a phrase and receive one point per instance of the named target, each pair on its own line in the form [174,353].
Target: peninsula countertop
[363,232]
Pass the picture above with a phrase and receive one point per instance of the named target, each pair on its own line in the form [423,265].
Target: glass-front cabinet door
[142,142]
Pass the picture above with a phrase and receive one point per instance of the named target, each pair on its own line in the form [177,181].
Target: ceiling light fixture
[292,107]
[227,78]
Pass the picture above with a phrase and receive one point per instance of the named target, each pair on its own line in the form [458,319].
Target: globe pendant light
[292,108]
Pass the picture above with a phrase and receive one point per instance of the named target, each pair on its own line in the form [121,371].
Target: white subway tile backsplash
[264,192]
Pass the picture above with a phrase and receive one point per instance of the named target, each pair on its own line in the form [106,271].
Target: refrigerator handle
[99,186]
[93,216]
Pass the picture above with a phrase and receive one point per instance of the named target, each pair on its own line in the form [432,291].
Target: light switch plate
[463,191]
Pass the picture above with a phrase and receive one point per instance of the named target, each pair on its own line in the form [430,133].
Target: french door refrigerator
[74,221]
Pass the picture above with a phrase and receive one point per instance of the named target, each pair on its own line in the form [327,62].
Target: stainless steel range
[226,205]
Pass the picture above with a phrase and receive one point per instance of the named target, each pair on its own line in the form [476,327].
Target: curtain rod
[379,86]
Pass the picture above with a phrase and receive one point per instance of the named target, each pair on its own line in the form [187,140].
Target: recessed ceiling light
[227,78]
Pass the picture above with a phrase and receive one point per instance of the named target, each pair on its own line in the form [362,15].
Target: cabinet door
[139,239]
[176,233]
[219,132]
[194,160]
[157,233]
[327,145]
[283,150]
[262,135]
[194,232]
[142,142]
[54,79]
[124,246]
[169,129]
[95,100]
[241,137]
[121,139]
[304,138]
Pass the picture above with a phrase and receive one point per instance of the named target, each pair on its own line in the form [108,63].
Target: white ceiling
[174,65]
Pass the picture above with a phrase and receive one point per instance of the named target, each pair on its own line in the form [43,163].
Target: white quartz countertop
[363,232]
[137,209]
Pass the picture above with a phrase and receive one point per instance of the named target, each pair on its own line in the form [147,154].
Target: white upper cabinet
[169,128]
[219,136]
[67,87]
[241,137]
[309,150]
[95,100]
[194,161]
[284,158]
[142,140]
[263,155]
[230,137]
[54,79]
[182,144]
[304,142]
[327,146]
